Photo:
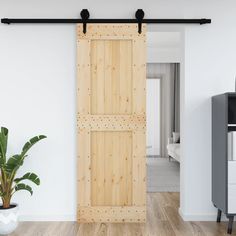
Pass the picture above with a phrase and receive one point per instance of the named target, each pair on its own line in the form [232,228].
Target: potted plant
[9,184]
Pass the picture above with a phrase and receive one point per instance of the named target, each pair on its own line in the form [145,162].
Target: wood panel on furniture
[111,123]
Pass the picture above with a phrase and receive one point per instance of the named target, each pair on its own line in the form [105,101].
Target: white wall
[209,70]
[38,81]
[164,47]
[38,74]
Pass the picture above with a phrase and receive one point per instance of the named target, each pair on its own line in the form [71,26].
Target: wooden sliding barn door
[111,123]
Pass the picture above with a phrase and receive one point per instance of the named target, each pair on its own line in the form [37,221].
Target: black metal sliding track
[139,15]
[105,21]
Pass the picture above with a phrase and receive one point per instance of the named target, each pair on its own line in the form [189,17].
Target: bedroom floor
[163,175]
[162,220]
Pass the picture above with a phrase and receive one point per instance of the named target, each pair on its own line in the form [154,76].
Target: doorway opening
[164,61]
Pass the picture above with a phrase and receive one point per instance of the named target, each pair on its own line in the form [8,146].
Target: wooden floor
[162,219]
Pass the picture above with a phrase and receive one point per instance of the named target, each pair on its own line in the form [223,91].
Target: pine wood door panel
[111,168]
[111,123]
[111,77]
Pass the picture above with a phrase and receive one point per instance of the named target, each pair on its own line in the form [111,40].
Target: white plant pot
[8,220]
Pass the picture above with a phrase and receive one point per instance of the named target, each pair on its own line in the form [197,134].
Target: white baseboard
[47,218]
[200,217]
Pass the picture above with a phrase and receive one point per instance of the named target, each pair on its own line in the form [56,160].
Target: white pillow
[176,137]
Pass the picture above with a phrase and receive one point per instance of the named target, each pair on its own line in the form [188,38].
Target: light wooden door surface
[111,123]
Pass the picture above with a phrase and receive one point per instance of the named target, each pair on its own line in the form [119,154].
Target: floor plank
[162,220]
[163,175]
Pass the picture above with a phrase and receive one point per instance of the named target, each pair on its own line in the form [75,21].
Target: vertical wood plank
[126,168]
[94,157]
[97,169]
[108,77]
[125,77]
[100,169]
[115,76]
[139,168]
[139,181]
[83,163]
[94,75]
[116,169]
[97,81]
[83,108]
[109,178]
[139,75]
[139,139]
[129,170]
[123,157]
[83,76]
[139,108]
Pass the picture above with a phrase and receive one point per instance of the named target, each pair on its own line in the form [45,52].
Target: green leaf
[31,142]
[13,163]
[3,145]
[1,192]
[19,187]
[29,176]
[2,161]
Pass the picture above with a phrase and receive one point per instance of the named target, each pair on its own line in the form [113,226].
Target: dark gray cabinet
[223,170]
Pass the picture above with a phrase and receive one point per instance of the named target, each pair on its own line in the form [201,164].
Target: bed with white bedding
[173,150]
[173,147]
